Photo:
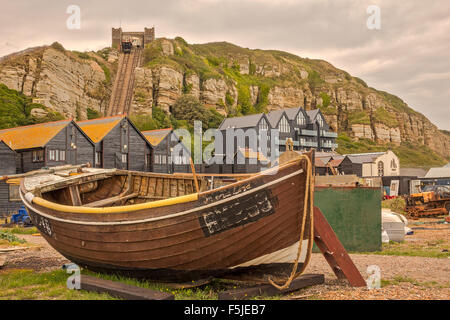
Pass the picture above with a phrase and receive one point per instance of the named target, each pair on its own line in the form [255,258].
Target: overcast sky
[408,56]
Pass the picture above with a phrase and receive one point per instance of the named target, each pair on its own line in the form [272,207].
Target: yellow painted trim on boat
[134,207]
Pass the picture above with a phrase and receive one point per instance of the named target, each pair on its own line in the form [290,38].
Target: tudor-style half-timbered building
[246,133]
[326,139]
[165,158]
[278,119]
[303,134]
[48,145]
[118,143]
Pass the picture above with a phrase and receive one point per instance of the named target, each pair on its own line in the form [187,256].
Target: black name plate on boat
[237,212]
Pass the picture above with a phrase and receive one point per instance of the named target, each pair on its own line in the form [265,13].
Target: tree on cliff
[189,108]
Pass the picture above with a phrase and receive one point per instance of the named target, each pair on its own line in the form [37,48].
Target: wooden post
[334,252]
[195,176]
[75,195]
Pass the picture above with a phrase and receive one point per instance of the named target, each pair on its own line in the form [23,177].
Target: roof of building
[312,114]
[364,157]
[34,136]
[292,112]
[438,173]
[274,117]
[155,137]
[324,159]
[241,122]
[336,162]
[320,154]
[97,129]
[318,162]
[250,154]
[413,172]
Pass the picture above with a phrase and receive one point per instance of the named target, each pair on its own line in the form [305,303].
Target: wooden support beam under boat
[269,290]
[334,252]
[122,290]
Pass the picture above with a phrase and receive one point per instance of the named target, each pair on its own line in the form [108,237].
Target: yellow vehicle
[433,201]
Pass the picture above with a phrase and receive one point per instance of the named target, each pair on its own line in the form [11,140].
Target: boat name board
[237,212]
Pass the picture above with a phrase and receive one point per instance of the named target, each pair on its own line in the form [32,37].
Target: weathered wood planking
[122,290]
[269,290]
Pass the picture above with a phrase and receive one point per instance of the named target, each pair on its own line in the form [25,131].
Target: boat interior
[128,188]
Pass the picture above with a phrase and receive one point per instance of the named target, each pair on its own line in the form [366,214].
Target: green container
[354,213]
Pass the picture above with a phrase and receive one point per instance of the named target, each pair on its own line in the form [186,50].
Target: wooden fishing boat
[159,227]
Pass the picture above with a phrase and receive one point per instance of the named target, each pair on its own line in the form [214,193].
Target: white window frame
[263,125]
[51,155]
[320,121]
[301,120]
[284,125]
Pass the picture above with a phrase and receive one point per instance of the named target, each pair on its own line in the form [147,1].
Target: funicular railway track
[122,93]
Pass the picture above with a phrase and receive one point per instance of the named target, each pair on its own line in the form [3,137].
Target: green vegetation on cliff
[410,155]
[214,61]
[15,110]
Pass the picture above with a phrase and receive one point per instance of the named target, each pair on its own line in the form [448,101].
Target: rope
[309,191]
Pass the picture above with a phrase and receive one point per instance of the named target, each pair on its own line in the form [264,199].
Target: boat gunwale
[141,206]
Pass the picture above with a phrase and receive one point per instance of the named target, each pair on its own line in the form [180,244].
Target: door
[394,188]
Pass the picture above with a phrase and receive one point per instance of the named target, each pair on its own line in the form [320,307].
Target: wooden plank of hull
[184,252]
[181,243]
[200,249]
[151,231]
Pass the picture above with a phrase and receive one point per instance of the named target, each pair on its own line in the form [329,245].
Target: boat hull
[253,224]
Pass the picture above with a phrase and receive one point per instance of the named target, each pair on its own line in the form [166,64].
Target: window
[284,125]
[263,125]
[163,159]
[56,155]
[301,120]
[380,168]
[38,156]
[14,193]
[320,121]
[124,158]
[393,164]
[181,160]
[51,155]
